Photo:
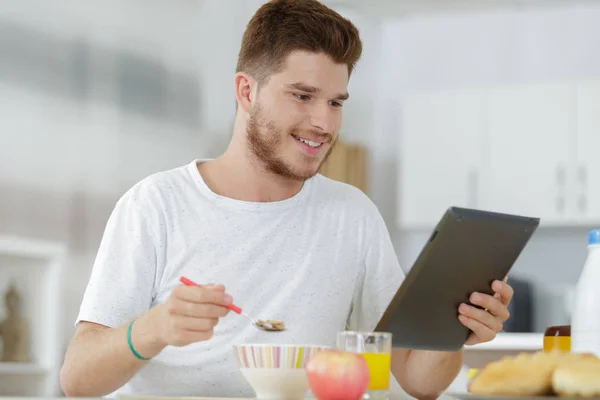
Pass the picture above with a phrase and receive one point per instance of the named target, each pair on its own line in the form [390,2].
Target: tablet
[465,253]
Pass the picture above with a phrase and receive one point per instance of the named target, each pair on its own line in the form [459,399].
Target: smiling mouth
[310,143]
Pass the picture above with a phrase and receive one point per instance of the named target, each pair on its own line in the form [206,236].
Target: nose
[324,119]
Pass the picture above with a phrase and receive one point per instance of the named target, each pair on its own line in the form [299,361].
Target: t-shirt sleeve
[379,280]
[121,284]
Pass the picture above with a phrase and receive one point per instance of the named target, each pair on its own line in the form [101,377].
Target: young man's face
[297,115]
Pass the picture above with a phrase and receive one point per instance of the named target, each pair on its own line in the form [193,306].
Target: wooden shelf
[21,369]
[35,267]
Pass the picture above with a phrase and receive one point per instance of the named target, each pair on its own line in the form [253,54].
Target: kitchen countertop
[511,342]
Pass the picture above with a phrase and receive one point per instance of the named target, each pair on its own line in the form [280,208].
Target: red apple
[337,375]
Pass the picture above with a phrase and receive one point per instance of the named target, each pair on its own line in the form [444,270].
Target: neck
[238,174]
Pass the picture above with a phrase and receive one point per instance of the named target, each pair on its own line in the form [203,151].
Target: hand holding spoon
[268,325]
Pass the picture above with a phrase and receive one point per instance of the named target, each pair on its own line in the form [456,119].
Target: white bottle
[585,320]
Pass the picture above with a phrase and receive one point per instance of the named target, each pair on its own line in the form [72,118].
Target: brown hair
[282,26]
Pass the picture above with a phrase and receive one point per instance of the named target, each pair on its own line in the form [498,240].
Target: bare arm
[99,361]
[425,374]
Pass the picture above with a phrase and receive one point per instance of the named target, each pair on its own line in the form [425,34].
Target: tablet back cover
[466,252]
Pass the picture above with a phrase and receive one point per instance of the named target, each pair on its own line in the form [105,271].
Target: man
[257,225]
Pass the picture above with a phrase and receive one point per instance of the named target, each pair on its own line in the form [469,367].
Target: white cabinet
[586,168]
[440,162]
[529,149]
[528,133]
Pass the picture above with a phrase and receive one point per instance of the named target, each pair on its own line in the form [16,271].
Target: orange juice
[379,370]
[557,338]
[562,343]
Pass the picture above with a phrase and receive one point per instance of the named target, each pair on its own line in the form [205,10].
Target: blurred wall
[96,96]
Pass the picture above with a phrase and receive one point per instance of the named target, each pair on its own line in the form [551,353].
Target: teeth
[310,142]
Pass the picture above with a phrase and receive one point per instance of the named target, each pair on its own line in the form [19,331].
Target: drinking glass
[557,338]
[376,348]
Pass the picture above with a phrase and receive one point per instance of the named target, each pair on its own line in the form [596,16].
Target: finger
[493,305]
[481,331]
[505,280]
[213,286]
[504,291]
[200,295]
[180,323]
[482,316]
[184,337]
[196,310]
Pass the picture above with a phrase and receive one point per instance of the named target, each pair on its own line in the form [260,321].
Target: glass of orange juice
[557,338]
[376,348]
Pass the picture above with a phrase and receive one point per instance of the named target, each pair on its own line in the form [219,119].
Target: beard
[266,142]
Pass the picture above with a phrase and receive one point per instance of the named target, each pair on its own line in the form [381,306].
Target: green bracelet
[135,353]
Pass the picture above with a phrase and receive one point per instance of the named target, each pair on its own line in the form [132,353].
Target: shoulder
[345,196]
[156,191]
[354,206]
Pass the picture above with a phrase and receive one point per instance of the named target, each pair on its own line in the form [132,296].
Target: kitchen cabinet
[528,149]
[528,134]
[585,173]
[440,155]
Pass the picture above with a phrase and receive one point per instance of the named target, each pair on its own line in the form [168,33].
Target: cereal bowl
[276,371]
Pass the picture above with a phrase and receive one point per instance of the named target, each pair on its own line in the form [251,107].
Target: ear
[244,91]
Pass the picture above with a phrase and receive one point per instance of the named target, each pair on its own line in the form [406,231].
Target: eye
[335,104]
[303,97]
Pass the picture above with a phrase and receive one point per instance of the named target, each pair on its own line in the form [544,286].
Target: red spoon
[271,326]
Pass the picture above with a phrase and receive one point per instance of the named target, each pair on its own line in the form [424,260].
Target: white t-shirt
[320,261]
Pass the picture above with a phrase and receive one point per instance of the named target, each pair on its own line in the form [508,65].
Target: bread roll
[523,375]
[577,376]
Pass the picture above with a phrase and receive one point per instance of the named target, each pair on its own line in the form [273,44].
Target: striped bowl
[274,356]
